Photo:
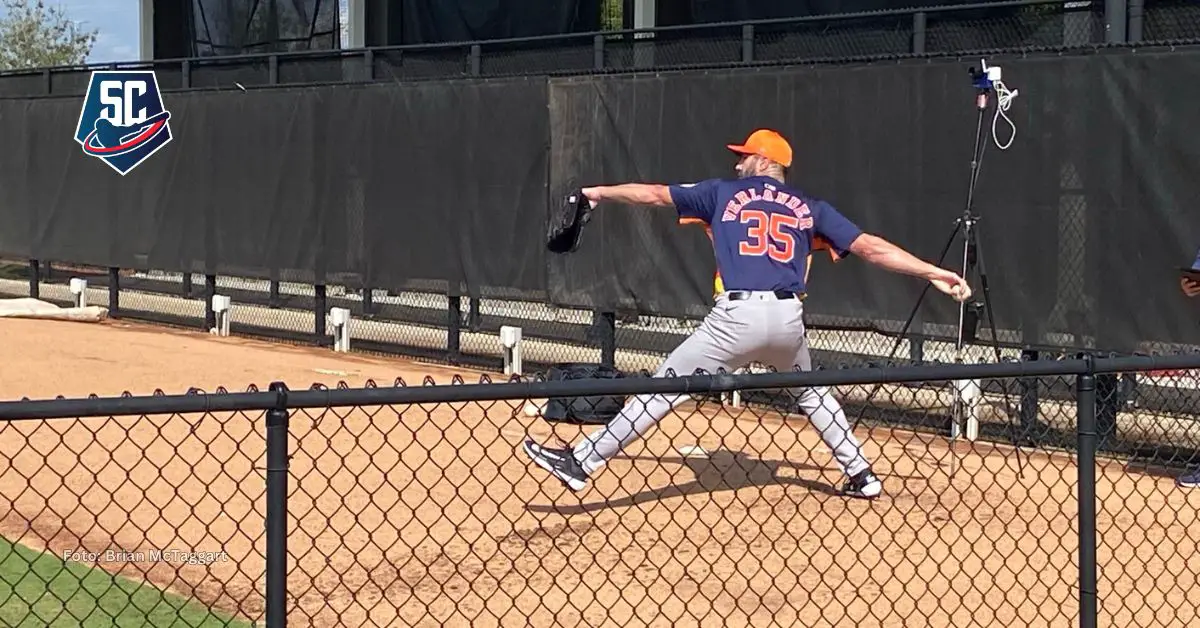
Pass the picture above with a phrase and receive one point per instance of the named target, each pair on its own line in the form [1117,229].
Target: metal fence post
[35,279]
[210,291]
[454,329]
[1137,10]
[1115,14]
[114,292]
[748,43]
[273,69]
[918,38]
[475,59]
[187,284]
[474,316]
[276,511]
[916,348]
[598,52]
[273,294]
[368,297]
[1028,403]
[320,303]
[1085,399]
[607,328]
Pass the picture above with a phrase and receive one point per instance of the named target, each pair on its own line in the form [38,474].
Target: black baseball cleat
[560,463]
[864,485]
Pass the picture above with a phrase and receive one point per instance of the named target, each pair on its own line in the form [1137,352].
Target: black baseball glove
[567,221]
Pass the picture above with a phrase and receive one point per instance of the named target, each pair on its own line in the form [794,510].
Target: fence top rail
[699,29]
[279,397]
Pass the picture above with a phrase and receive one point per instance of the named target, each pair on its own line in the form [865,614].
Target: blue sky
[117,23]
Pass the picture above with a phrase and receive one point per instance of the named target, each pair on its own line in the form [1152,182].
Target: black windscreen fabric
[437,21]
[710,11]
[445,186]
[891,147]
[230,27]
[395,185]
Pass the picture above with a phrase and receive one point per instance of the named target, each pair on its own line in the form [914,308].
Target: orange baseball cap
[766,143]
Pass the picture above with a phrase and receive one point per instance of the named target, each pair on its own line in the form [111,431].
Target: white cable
[1004,99]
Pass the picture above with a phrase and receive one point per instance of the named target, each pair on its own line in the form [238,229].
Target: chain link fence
[1003,27]
[412,504]
[437,327]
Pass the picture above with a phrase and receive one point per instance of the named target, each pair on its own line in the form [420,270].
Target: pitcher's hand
[951,284]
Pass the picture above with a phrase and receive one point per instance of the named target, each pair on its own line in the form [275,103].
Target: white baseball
[532,409]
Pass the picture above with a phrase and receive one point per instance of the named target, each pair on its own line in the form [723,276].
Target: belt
[781,295]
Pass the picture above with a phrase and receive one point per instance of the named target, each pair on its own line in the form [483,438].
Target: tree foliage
[34,35]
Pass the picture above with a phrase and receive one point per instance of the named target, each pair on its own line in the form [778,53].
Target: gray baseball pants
[760,329]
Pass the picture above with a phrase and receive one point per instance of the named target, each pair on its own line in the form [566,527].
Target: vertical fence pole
[454,329]
[474,317]
[1085,399]
[114,292]
[747,43]
[918,40]
[598,52]
[319,306]
[368,296]
[35,279]
[187,284]
[916,347]
[1028,405]
[475,59]
[210,291]
[276,519]
[1137,9]
[273,294]
[1115,14]
[607,328]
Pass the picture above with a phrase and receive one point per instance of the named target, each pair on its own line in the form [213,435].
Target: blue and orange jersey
[764,233]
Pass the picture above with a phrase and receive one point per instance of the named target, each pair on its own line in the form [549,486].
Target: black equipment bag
[582,410]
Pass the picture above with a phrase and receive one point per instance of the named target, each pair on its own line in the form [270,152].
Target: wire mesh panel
[578,55]
[1015,27]
[1170,20]
[228,73]
[857,37]
[132,521]
[24,84]
[1148,499]
[70,82]
[721,515]
[396,65]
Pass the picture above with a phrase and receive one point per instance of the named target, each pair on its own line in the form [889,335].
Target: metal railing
[413,505]
[1014,26]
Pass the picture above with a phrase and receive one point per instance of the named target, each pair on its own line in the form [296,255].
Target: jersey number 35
[767,236]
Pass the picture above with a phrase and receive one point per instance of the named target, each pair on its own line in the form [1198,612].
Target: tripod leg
[908,323]
[991,316]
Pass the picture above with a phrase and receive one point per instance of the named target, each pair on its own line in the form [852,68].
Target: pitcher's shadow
[721,470]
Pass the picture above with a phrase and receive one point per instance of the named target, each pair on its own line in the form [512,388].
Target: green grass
[38,590]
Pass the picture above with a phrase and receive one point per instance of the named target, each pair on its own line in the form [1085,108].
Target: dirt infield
[427,516]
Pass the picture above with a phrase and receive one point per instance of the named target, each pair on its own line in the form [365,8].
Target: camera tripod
[967,226]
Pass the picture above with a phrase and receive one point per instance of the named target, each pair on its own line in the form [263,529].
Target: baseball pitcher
[763,233]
